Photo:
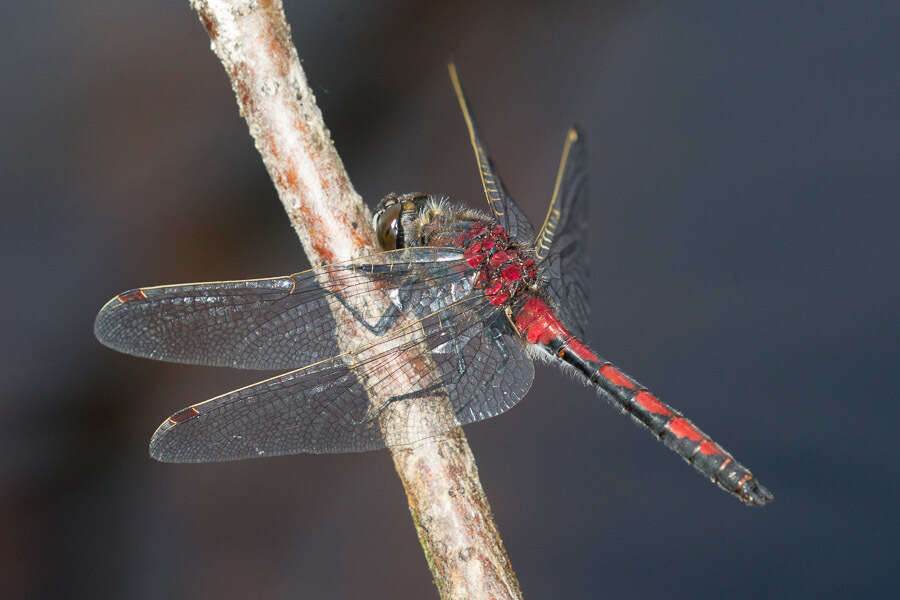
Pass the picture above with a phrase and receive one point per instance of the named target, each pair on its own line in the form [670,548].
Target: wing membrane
[281,322]
[560,245]
[502,206]
[450,356]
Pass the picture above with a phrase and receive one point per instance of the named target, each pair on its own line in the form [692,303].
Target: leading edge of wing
[439,254]
[572,147]
[500,203]
[243,323]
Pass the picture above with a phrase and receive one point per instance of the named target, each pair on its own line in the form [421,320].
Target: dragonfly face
[395,219]
[470,298]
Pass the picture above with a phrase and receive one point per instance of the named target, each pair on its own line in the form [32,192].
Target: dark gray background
[744,176]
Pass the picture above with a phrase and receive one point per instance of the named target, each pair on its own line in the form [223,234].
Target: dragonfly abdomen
[538,324]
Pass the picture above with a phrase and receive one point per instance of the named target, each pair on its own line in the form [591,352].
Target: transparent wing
[560,245]
[462,356]
[281,322]
[502,206]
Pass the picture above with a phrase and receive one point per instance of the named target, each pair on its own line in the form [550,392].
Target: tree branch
[449,508]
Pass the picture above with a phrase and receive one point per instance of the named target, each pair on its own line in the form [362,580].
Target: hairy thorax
[506,268]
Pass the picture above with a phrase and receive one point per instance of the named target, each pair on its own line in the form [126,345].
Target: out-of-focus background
[744,176]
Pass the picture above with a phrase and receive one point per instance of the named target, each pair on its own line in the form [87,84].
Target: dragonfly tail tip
[753,493]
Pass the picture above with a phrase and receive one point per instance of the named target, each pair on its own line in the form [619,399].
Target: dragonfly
[456,306]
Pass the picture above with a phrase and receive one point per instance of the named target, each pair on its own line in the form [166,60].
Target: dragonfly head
[395,218]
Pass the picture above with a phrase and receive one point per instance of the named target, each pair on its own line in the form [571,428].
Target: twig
[448,505]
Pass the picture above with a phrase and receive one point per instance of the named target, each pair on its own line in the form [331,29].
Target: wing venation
[462,357]
[502,206]
[280,322]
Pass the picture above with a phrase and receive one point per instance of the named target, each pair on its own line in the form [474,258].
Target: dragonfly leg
[410,296]
[372,414]
[454,344]
[397,306]
[384,323]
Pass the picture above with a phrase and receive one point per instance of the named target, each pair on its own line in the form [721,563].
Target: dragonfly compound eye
[388,228]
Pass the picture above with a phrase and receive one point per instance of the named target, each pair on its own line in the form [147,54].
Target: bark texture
[449,508]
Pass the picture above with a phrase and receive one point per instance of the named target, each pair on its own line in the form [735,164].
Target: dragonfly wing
[281,322]
[326,407]
[560,245]
[283,415]
[503,208]
[477,365]
[498,374]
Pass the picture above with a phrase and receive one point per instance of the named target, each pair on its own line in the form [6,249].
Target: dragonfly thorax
[506,268]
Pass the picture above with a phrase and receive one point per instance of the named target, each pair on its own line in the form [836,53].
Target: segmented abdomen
[537,323]
[679,434]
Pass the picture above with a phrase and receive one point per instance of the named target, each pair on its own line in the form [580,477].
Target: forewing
[502,206]
[560,245]
[281,322]
[450,357]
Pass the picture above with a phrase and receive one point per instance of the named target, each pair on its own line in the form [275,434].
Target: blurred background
[744,177]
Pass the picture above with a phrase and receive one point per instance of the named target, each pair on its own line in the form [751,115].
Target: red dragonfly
[456,307]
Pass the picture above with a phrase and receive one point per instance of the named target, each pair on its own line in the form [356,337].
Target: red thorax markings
[502,271]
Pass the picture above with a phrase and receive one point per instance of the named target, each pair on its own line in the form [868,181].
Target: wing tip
[100,321]
[575,136]
[161,451]
[457,86]
[155,449]
[114,302]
